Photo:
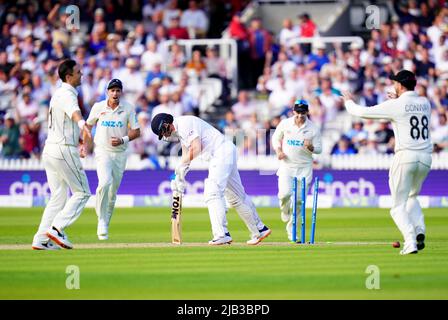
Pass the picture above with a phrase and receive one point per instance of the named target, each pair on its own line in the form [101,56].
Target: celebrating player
[410,116]
[62,163]
[295,140]
[197,137]
[116,125]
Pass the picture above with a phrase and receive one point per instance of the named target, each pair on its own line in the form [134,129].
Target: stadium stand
[240,72]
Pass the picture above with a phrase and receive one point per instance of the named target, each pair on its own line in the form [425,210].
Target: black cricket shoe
[420,241]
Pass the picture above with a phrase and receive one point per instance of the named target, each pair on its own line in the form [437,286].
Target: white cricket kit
[223,178]
[299,160]
[410,116]
[63,165]
[110,160]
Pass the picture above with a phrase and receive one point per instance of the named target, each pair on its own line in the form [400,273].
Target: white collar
[69,87]
[303,125]
[116,109]
[409,93]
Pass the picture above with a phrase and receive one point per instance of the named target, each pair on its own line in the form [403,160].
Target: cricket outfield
[353,258]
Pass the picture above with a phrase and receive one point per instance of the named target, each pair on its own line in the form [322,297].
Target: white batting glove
[178,185]
[181,171]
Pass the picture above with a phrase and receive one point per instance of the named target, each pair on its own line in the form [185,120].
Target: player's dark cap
[115,83]
[300,105]
[406,78]
[157,123]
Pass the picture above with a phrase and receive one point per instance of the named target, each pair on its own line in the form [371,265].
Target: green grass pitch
[349,240]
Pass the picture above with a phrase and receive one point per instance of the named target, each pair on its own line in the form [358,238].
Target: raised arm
[381,111]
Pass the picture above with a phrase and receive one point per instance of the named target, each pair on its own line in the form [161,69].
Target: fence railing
[342,39]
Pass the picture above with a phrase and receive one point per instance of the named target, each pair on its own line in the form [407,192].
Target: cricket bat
[176,213]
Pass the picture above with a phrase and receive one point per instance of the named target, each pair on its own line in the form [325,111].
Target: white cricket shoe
[264,233]
[227,239]
[49,245]
[60,238]
[102,231]
[286,216]
[409,248]
[103,236]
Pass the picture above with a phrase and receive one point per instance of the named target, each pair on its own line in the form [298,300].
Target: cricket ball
[396,244]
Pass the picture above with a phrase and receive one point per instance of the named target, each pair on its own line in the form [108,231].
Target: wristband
[81,124]
[124,139]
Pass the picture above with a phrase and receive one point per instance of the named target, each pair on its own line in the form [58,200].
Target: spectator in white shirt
[283,65]
[132,80]
[331,102]
[435,31]
[41,92]
[244,108]
[295,82]
[166,105]
[31,63]
[176,58]
[280,98]
[442,65]
[171,11]
[151,7]
[151,57]
[287,33]
[148,141]
[27,109]
[195,20]
[88,90]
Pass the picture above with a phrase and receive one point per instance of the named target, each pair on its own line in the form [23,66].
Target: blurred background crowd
[125,40]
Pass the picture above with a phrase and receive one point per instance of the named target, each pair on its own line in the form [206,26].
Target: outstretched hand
[346,95]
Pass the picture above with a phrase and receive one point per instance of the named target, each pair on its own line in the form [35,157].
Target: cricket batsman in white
[410,117]
[116,125]
[198,138]
[295,140]
[61,159]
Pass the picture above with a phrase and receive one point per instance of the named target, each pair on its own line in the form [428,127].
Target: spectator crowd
[126,40]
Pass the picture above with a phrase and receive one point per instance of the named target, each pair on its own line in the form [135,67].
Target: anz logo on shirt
[296,143]
[112,124]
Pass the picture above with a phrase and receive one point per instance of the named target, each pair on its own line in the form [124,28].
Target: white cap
[369,85]
[363,135]
[155,81]
[131,63]
[142,115]
[319,45]
[99,11]
[386,60]
[355,46]
[113,36]
[164,91]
